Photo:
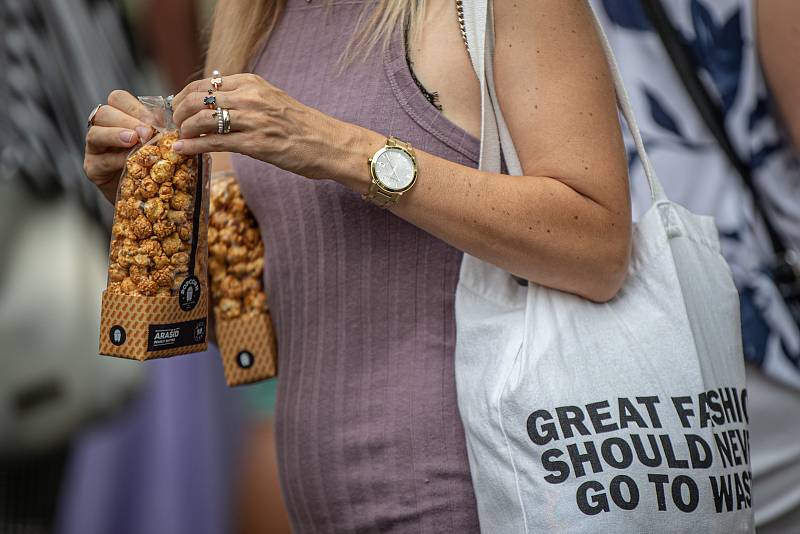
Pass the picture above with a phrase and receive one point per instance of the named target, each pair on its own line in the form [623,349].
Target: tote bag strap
[496,143]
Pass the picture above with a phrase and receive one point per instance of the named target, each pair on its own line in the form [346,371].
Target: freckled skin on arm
[778,43]
[566,224]
[559,103]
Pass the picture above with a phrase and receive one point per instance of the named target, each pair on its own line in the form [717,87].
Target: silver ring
[90,120]
[226,121]
[220,121]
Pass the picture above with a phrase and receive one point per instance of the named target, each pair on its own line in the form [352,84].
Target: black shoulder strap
[709,111]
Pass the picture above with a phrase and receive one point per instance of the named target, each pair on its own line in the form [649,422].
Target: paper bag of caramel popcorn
[155,303]
[243,325]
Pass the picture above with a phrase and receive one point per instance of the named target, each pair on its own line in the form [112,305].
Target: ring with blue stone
[210,101]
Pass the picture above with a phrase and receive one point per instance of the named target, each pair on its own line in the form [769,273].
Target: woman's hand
[118,126]
[266,124]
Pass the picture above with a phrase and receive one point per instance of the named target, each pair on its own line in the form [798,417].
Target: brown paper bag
[244,330]
[156,301]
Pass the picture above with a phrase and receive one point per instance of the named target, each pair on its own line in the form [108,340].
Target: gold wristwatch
[394,171]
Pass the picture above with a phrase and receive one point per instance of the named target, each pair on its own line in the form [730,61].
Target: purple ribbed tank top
[367,427]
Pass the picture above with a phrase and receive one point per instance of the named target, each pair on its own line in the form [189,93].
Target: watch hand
[389,161]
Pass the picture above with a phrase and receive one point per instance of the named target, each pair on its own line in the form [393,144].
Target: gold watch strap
[377,194]
[393,141]
[380,197]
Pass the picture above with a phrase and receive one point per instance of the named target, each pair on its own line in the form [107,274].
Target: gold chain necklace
[460,13]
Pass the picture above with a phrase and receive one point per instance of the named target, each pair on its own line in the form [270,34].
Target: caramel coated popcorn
[245,333]
[164,276]
[159,262]
[147,287]
[152,228]
[148,188]
[136,172]
[181,201]
[182,180]
[128,287]
[163,229]
[165,192]
[231,287]
[142,228]
[154,209]
[161,171]
[116,273]
[151,247]
[185,232]
[228,308]
[128,209]
[255,300]
[180,259]
[147,156]
[235,254]
[172,244]
[167,154]
[156,300]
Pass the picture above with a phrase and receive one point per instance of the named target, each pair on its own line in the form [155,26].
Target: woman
[368,433]
[741,45]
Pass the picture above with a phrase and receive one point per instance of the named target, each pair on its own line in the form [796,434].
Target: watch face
[394,168]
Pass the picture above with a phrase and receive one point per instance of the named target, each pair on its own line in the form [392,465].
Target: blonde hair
[241,27]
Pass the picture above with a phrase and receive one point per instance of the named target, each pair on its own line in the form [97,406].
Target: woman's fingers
[116,128]
[129,105]
[110,116]
[104,172]
[206,122]
[193,104]
[229,83]
[232,142]
[197,86]
[101,139]
[102,166]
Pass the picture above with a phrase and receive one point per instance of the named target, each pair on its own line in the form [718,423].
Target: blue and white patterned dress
[695,170]
[696,173]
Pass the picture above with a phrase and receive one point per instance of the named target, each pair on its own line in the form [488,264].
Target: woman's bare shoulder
[557,96]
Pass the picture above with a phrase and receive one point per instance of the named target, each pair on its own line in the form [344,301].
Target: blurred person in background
[52,384]
[745,52]
[169,464]
[91,444]
[207,475]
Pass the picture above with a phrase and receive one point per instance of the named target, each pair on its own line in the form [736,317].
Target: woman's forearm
[565,226]
[534,227]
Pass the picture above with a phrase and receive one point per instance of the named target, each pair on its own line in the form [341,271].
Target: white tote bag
[628,416]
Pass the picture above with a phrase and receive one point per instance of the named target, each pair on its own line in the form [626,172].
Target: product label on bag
[189,293]
[169,336]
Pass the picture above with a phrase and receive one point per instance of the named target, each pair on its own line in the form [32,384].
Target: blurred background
[90,444]
[95,445]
